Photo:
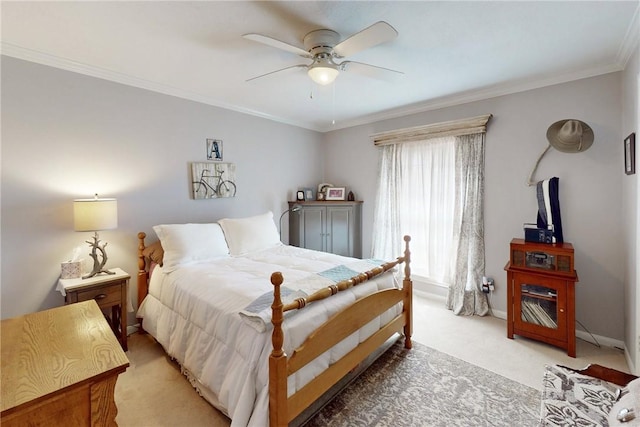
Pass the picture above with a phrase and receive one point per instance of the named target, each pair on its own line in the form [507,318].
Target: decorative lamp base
[98,265]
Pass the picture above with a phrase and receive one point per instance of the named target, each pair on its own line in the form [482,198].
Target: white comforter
[194,313]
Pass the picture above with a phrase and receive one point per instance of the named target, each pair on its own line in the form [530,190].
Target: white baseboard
[131,329]
[603,341]
[432,290]
[499,314]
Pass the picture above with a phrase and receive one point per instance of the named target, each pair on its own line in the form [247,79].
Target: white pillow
[250,234]
[190,243]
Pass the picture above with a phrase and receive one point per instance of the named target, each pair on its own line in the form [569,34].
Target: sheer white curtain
[415,197]
[433,190]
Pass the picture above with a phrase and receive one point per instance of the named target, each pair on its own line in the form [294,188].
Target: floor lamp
[294,208]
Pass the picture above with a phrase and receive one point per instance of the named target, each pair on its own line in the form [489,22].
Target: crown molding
[476,95]
[631,40]
[435,104]
[42,58]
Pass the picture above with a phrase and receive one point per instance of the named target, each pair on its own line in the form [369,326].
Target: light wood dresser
[59,367]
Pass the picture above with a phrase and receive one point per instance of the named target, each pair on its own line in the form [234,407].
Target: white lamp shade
[323,75]
[95,214]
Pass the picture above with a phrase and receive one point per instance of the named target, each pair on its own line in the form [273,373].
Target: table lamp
[93,215]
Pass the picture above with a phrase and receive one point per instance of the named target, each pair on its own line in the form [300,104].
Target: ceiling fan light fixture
[323,75]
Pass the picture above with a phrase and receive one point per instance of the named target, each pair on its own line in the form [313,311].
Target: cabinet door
[540,305]
[339,230]
[313,228]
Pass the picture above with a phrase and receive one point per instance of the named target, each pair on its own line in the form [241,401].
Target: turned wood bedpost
[278,415]
[143,275]
[407,285]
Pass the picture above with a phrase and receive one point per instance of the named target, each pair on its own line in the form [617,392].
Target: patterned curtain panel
[387,235]
[465,295]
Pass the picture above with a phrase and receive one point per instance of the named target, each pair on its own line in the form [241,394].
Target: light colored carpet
[483,341]
[153,392]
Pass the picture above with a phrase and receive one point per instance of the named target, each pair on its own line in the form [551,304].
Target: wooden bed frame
[283,409]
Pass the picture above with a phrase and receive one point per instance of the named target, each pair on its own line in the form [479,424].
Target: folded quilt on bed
[258,313]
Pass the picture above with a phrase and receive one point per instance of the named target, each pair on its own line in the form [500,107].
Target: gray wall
[590,183]
[66,136]
[631,214]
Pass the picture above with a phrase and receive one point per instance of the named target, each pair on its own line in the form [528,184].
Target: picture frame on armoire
[335,193]
[308,194]
[630,154]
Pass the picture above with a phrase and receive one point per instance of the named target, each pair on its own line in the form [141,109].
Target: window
[431,187]
[416,196]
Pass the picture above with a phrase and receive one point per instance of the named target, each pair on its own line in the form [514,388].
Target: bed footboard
[283,409]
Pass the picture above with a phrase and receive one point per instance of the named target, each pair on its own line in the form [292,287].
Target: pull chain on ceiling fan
[323,47]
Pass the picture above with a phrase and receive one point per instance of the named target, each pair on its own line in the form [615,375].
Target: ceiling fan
[323,47]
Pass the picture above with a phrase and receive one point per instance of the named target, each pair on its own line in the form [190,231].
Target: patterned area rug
[424,387]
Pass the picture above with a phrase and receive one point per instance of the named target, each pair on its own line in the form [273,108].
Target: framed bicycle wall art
[212,180]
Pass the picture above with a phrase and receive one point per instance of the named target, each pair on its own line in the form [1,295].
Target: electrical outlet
[487,285]
[486,282]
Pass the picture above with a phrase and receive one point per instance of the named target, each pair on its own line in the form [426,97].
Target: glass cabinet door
[540,305]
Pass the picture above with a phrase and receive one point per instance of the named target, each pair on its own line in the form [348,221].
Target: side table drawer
[105,297]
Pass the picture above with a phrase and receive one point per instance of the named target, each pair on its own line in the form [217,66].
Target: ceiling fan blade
[378,33]
[277,71]
[369,70]
[270,41]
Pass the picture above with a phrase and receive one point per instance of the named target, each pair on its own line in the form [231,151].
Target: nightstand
[109,291]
